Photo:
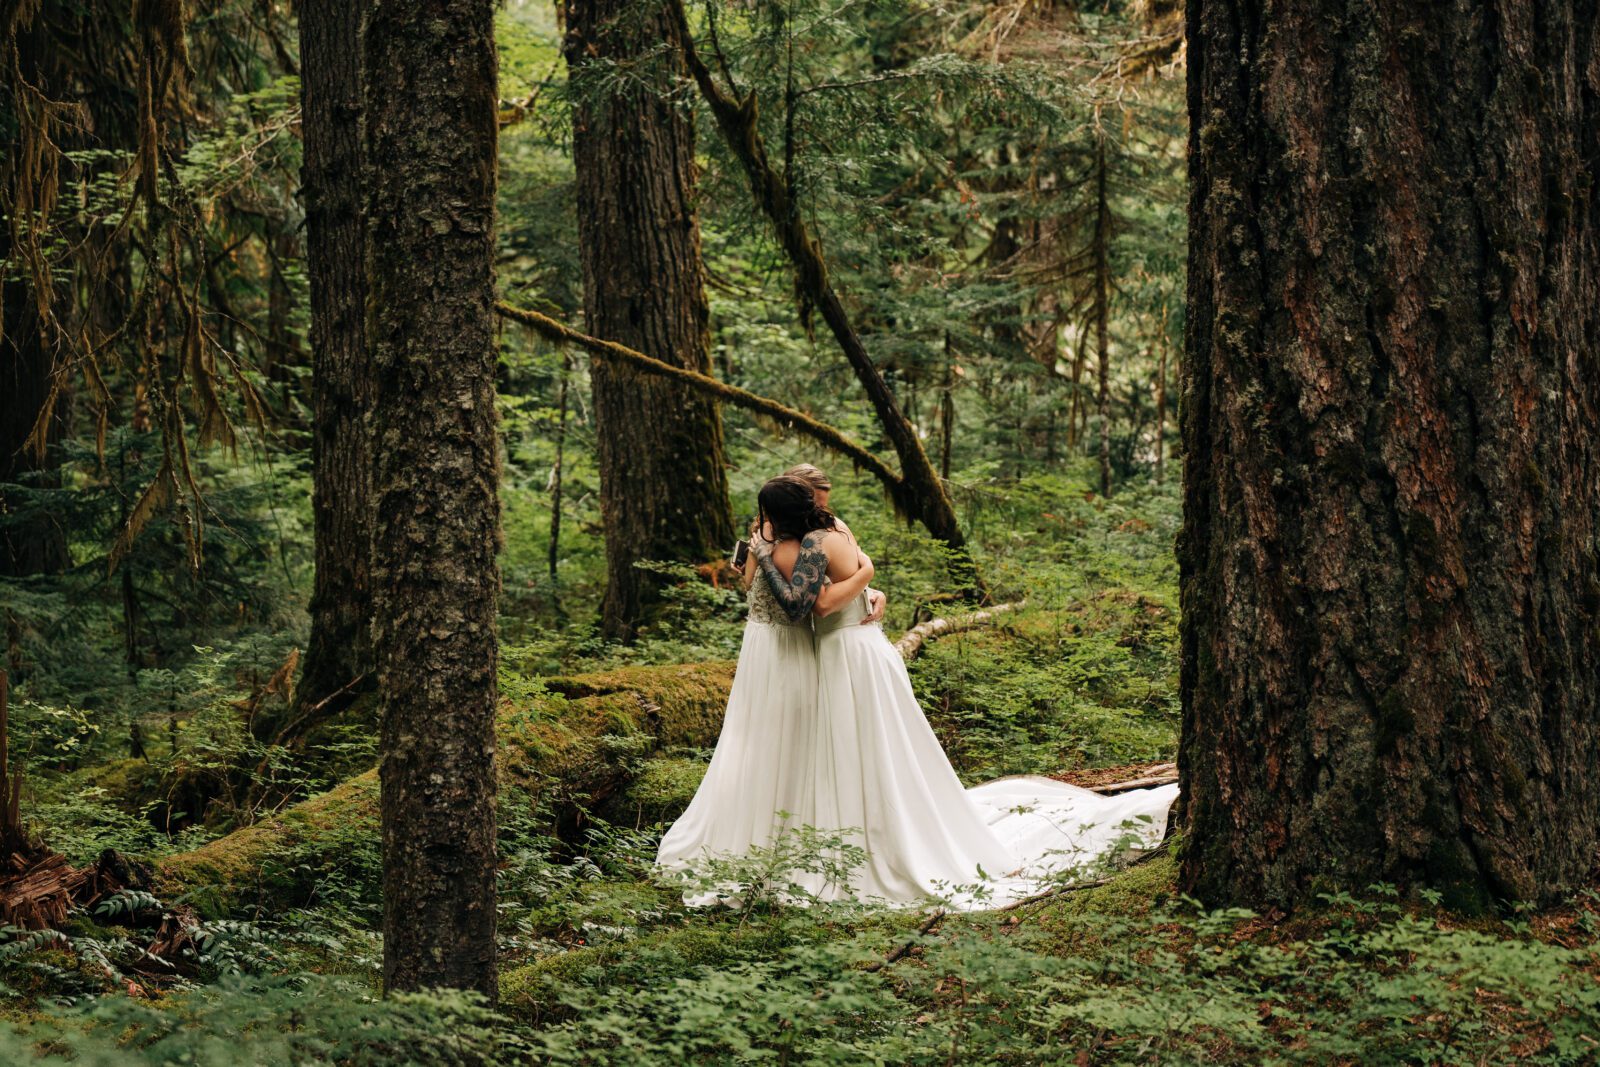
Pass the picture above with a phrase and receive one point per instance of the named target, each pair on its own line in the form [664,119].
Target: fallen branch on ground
[910,643]
[1074,887]
[904,950]
[1163,775]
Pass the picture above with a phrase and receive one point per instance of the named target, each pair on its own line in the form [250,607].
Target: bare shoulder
[829,541]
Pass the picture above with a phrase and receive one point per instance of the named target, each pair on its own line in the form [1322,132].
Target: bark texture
[431,139]
[1390,585]
[663,474]
[339,652]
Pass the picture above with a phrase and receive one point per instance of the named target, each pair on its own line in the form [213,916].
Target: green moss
[567,738]
[660,792]
[1132,892]
[128,783]
[527,990]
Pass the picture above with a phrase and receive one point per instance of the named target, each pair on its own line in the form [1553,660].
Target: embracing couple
[822,729]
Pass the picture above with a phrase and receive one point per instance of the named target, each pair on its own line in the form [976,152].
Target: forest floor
[262,901]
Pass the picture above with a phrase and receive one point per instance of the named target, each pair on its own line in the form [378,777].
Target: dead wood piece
[1165,778]
[912,641]
[42,896]
[904,950]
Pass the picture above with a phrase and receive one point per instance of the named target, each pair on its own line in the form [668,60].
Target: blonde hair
[812,476]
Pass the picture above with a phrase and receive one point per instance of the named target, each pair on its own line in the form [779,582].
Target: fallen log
[912,641]
[572,749]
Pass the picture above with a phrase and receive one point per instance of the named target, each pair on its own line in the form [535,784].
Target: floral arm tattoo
[797,594]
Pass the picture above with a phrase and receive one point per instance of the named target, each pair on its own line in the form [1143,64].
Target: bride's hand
[875,604]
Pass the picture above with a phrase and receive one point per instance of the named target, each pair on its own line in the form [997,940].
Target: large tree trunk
[1390,584]
[339,652]
[663,477]
[431,131]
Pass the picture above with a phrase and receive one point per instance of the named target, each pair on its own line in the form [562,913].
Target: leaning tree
[430,122]
[1390,583]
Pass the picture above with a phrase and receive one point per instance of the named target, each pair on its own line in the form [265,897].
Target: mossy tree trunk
[338,655]
[430,103]
[1390,584]
[663,477]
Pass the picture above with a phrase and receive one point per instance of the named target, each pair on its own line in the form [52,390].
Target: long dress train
[823,729]
[925,835]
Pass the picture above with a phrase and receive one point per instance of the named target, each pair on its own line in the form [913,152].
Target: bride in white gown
[824,725]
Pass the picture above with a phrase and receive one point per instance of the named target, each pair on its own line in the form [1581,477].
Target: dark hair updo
[790,505]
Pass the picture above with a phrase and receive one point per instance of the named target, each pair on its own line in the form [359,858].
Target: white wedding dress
[825,726]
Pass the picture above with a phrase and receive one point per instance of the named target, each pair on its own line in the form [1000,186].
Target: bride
[823,730]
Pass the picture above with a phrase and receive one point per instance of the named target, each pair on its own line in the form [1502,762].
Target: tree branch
[788,417]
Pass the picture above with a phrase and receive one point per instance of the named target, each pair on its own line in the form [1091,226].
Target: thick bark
[339,654]
[663,473]
[430,141]
[1390,584]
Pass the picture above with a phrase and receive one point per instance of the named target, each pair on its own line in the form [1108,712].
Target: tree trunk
[339,654]
[1390,585]
[430,104]
[1102,312]
[663,474]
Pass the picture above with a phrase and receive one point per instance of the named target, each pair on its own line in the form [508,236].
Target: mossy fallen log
[588,744]
[572,748]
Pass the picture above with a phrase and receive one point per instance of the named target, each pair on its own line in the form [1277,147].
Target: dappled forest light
[1206,397]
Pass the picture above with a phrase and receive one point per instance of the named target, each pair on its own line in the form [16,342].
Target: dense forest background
[996,195]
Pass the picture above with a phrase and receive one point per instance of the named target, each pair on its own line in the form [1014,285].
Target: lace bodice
[764,606]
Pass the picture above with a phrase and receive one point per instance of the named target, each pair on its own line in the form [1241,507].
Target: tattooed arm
[796,594]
